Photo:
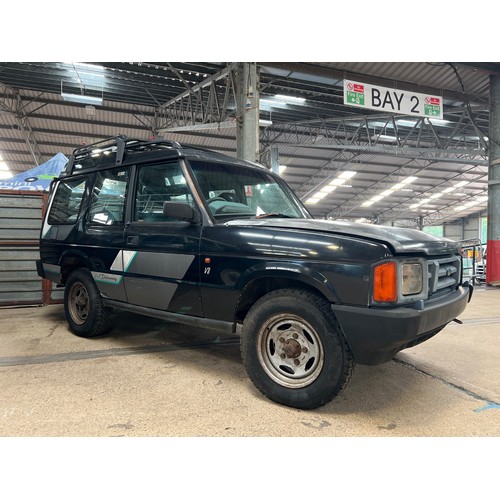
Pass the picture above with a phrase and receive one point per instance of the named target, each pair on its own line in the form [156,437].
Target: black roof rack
[118,145]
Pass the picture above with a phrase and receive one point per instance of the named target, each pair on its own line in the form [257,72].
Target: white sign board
[364,95]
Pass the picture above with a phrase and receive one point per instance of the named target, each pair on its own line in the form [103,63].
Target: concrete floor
[153,378]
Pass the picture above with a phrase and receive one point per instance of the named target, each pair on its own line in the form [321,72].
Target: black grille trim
[444,274]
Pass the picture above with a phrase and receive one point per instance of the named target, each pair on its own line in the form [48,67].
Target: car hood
[402,240]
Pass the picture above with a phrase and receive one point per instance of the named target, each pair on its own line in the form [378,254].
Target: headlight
[412,279]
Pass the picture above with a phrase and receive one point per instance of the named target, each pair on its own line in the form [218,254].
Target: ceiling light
[449,190]
[461,184]
[337,182]
[438,121]
[328,189]
[320,195]
[281,169]
[367,203]
[265,123]
[409,180]
[387,192]
[347,174]
[290,99]
[84,99]
[312,201]
[436,195]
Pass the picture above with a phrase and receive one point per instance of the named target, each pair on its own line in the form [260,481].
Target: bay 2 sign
[364,95]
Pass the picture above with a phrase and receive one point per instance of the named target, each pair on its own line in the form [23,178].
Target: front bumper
[376,335]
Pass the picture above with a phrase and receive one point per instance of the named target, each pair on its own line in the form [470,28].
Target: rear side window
[67,201]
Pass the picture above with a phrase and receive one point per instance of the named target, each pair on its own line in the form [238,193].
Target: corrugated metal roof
[132,91]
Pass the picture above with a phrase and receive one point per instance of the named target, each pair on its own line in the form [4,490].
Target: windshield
[233,191]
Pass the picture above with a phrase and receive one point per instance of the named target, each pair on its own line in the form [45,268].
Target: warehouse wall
[21,214]
[469,228]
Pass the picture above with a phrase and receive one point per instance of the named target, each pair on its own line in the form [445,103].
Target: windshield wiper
[273,214]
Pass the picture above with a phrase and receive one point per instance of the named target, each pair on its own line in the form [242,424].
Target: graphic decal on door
[121,263]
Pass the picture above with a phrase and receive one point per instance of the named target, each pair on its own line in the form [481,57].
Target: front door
[161,255]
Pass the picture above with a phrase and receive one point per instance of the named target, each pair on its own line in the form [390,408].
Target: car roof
[121,150]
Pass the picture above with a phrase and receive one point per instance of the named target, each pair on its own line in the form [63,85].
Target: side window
[67,201]
[107,204]
[157,184]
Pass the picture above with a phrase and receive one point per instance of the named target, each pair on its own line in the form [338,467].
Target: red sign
[359,88]
[433,100]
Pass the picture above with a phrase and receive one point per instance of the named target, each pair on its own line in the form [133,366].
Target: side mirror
[181,211]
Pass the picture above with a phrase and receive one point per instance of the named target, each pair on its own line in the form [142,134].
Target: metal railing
[474,265]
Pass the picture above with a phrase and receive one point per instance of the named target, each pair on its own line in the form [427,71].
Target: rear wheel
[293,350]
[85,312]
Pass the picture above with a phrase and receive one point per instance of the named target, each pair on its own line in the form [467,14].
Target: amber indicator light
[385,283]
[208,260]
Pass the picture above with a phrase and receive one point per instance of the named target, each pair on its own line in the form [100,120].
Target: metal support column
[493,248]
[247,131]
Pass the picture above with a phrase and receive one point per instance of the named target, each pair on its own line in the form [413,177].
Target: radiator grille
[444,275]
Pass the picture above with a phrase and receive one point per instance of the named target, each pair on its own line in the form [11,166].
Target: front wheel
[293,350]
[83,306]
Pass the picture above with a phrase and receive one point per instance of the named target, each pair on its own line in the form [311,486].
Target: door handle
[132,240]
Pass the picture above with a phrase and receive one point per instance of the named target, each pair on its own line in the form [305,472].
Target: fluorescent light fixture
[367,203]
[312,201]
[383,137]
[377,198]
[320,195]
[439,122]
[436,195]
[461,184]
[84,99]
[415,205]
[387,192]
[342,178]
[290,99]
[265,123]
[409,180]
[86,65]
[347,174]
[281,169]
[337,182]
[405,123]
[449,190]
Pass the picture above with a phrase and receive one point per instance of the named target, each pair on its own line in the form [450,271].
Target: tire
[83,306]
[293,349]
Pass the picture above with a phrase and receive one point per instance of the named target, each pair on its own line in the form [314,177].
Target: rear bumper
[376,335]
[39,269]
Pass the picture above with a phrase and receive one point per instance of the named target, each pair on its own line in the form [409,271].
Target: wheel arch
[264,281]
[71,260]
